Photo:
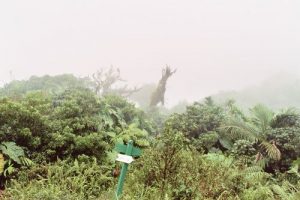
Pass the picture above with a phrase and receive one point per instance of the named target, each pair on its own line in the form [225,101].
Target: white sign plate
[124,158]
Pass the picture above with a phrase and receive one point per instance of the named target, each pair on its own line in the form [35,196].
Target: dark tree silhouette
[158,95]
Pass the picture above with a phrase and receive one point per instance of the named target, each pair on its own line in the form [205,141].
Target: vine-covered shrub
[243,148]
[200,125]
[287,140]
[21,124]
[199,118]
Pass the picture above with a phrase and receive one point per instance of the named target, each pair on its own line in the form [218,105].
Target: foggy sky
[215,44]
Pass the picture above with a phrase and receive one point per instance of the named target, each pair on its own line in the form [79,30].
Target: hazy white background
[215,44]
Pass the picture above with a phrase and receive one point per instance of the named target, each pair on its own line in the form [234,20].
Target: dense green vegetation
[57,137]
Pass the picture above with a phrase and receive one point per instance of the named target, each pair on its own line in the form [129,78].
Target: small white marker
[125,158]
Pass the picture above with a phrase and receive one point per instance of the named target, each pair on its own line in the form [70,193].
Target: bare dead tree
[104,82]
[158,96]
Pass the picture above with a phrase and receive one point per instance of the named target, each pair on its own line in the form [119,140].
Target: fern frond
[262,162]
[284,191]
[287,191]
[253,169]
[255,174]
[294,170]
[26,161]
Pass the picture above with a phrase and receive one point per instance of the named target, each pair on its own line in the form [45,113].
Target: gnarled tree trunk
[158,96]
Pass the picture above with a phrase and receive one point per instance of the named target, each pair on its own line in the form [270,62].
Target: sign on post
[121,148]
[126,156]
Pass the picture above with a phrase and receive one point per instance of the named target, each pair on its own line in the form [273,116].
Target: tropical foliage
[57,142]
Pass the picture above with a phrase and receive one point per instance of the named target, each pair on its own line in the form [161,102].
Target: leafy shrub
[243,148]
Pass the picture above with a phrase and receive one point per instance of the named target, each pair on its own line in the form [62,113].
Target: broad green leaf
[12,151]
[225,143]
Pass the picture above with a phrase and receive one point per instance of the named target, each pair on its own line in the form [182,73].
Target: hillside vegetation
[279,91]
[57,139]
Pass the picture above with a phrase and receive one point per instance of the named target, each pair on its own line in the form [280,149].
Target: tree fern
[255,129]
[261,117]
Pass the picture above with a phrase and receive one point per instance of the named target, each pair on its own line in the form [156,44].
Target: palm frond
[237,129]
[271,149]
[262,117]
[290,111]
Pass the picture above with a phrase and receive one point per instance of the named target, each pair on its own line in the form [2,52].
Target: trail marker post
[126,155]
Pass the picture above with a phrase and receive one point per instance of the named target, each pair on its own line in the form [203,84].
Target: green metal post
[124,170]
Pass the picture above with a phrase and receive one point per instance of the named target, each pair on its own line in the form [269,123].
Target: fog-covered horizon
[215,45]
